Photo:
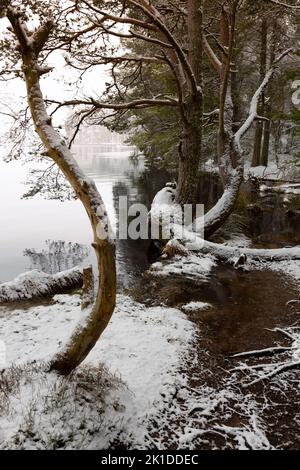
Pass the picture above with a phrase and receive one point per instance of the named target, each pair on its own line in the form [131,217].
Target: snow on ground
[288,188]
[195,306]
[206,406]
[143,346]
[191,266]
[285,170]
[290,267]
[272,172]
[133,388]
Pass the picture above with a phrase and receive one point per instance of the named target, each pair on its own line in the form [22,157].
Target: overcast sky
[55,85]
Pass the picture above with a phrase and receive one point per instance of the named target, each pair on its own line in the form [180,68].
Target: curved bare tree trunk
[230,159]
[216,217]
[87,333]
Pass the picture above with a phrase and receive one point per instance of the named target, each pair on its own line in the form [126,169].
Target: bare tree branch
[282,4]
[136,104]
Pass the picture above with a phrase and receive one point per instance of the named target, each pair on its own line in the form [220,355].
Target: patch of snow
[283,170]
[191,266]
[211,167]
[289,267]
[201,411]
[271,172]
[288,188]
[46,411]
[195,306]
[142,345]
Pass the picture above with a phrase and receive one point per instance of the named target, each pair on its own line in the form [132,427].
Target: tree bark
[268,125]
[86,334]
[257,150]
[266,141]
[190,153]
[190,149]
[257,144]
[217,216]
[226,104]
[88,292]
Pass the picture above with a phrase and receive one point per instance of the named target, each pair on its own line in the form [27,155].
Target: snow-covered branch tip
[226,253]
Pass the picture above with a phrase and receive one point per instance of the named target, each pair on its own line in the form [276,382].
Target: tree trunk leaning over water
[231,162]
[183,56]
[86,334]
[216,217]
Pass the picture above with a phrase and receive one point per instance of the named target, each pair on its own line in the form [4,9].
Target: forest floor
[163,376]
[236,402]
[142,347]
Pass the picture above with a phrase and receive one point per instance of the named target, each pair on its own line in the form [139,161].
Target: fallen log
[36,284]
[225,252]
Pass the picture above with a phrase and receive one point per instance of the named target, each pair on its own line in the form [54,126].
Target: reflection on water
[275,223]
[27,224]
[57,256]
[270,220]
[117,176]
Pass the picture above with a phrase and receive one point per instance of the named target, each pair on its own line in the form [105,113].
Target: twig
[280,330]
[263,352]
[278,370]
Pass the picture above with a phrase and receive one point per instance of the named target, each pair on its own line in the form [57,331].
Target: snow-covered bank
[35,284]
[290,268]
[289,188]
[190,266]
[143,346]
[282,170]
[137,387]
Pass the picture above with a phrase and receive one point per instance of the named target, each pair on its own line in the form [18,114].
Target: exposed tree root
[276,371]
[269,370]
[263,352]
[284,332]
